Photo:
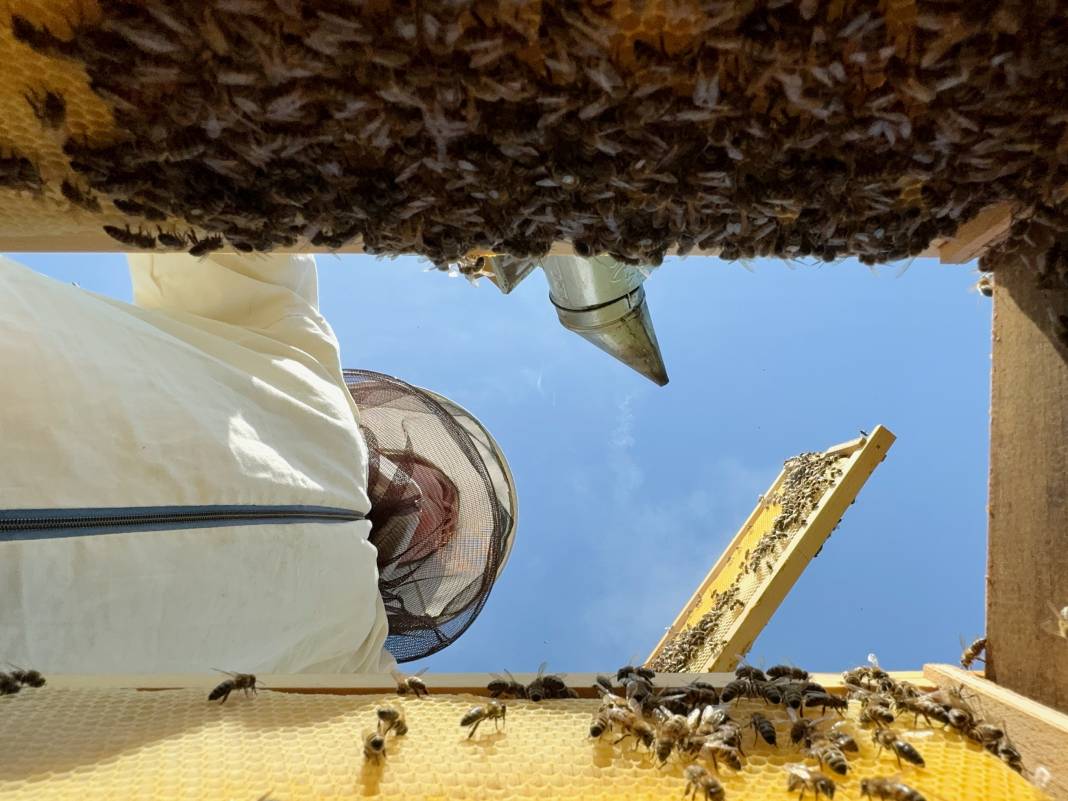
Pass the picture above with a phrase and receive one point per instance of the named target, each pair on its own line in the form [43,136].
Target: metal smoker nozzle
[601,300]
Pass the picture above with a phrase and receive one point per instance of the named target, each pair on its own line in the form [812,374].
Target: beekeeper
[193,481]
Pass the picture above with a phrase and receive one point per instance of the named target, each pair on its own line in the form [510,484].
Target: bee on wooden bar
[803,778]
[887,738]
[27,678]
[749,672]
[202,247]
[972,653]
[888,790]
[78,197]
[642,672]
[787,672]
[699,780]
[237,681]
[501,687]
[410,684]
[493,710]
[136,239]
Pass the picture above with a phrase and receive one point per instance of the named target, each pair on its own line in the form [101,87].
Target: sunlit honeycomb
[125,745]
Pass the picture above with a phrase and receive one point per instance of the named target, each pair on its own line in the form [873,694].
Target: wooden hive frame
[864,454]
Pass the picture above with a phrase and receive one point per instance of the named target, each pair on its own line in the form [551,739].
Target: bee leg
[474,728]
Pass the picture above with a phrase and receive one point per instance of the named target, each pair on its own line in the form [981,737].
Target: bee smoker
[601,300]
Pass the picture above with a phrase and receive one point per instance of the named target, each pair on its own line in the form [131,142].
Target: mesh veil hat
[443,510]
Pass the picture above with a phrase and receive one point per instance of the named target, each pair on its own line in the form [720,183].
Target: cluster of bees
[695,724]
[15,679]
[806,479]
[1038,239]
[881,698]
[441,127]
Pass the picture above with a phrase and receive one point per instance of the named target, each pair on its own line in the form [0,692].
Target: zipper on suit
[35,524]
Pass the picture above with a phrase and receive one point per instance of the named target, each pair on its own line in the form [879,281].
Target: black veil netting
[443,510]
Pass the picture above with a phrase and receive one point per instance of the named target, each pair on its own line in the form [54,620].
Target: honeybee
[824,700]
[787,672]
[640,671]
[410,684]
[671,731]
[972,653]
[136,239]
[8,685]
[887,738]
[546,686]
[698,779]
[843,739]
[202,247]
[501,687]
[801,777]
[237,681]
[888,790]
[51,109]
[600,723]
[985,286]
[73,193]
[1058,626]
[804,730]
[826,753]
[393,720]
[27,678]
[494,711]
[374,747]
[1005,751]
[983,733]
[763,727]
[749,672]
[633,726]
[923,707]
[716,750]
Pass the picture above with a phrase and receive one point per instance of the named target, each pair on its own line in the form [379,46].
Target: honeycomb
[28,72]
[96,744]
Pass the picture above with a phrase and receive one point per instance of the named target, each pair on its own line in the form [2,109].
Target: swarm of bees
[445,127]
[694,724]
[883,699]
[17,678]
[807,478]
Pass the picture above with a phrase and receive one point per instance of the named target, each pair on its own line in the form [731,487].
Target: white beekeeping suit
[183,480]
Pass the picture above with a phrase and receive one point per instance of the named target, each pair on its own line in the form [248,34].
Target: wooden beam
[970,241]
[1027,565]
[1038,732]
[368,683]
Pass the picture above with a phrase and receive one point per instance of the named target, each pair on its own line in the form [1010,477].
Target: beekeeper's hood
[443,510]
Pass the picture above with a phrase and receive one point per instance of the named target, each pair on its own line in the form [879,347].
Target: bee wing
[694,718]
[420,672]
[873,660]
[229,673]
[541,669]
[798,769]
[397,676]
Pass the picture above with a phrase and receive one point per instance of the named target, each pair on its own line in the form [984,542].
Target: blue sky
[628,492]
